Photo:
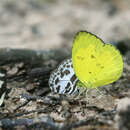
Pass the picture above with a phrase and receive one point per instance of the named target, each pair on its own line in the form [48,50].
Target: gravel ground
[45,25]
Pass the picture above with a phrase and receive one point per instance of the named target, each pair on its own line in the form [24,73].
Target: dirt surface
[46,24]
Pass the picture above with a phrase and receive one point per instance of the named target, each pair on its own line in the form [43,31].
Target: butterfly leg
[100,92]
[82,92]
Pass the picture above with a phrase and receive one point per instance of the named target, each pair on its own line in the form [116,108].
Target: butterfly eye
[63,79]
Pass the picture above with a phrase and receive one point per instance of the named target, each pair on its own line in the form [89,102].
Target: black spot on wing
[93,57]
[51,85]
[102,67]
[74,87]
[73,78]
[68,85]
[68,88]
[56,81]
[62,74]
[68,66]
[58,88]
[2,88]
[61,69]
[67,72]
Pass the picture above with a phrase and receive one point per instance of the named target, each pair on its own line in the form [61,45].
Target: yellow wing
[95,63]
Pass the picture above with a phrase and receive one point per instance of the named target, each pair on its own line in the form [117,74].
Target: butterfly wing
[95,63]
[63,79]
[2,86]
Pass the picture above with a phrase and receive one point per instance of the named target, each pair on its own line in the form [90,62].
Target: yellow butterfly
[95,63]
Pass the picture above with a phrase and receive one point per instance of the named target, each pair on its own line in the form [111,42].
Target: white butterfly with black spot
[63,79]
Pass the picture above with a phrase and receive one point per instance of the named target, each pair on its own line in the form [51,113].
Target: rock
[123,114]
[123,45]
[128,57]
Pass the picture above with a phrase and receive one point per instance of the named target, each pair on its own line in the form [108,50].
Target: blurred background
[50,24]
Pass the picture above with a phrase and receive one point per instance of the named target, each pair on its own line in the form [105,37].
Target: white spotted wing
[2,86]
[63,79]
